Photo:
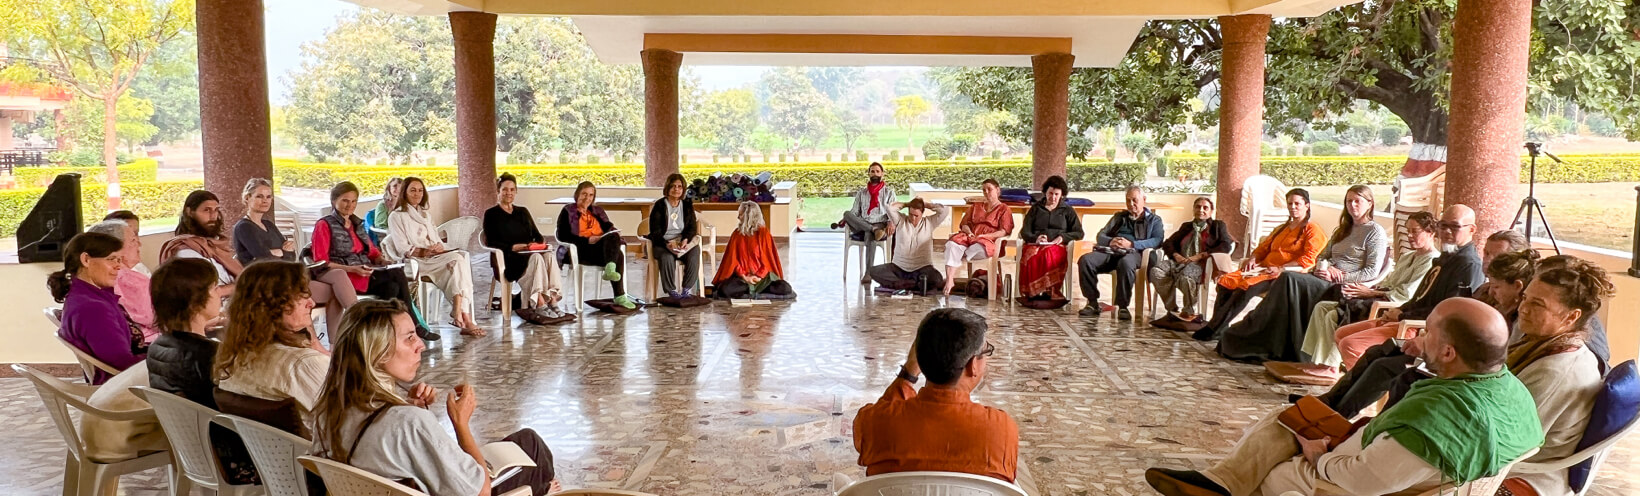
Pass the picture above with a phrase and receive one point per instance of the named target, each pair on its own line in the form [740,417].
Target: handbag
[1312,419]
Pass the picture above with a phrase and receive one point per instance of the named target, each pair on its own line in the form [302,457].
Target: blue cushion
[1079,202]
[1015,192]
[1617,403]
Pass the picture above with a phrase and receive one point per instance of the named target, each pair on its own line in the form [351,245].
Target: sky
[290,23]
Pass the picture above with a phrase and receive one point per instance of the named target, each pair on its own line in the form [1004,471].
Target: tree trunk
[113,172]
[60,124]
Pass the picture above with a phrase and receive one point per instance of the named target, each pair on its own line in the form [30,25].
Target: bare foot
[555,487]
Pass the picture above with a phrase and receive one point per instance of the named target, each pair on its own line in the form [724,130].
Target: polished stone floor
[759,400]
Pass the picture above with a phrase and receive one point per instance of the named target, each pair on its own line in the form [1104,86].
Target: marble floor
[760,400]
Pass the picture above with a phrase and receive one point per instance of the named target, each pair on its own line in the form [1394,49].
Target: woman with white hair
[751,264]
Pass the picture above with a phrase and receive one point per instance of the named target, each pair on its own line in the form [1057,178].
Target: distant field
[883,139]
[1594,214]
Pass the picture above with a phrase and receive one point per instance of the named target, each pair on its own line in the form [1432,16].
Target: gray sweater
[1360,254]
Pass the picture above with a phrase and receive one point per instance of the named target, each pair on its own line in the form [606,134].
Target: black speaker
[44,234]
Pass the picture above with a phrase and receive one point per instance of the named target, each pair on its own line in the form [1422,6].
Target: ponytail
[59,282]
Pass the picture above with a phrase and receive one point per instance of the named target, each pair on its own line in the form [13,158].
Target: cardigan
[410,229]
[1563,386]
[503,230]
[570,217]
[658,220]
[1062,221]
[1215,239]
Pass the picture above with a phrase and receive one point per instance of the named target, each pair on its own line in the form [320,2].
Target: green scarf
[1469,426]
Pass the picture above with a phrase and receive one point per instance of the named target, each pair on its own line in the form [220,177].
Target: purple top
[94,322]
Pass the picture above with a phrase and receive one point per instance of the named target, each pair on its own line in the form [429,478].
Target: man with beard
[868,219]
[199,235]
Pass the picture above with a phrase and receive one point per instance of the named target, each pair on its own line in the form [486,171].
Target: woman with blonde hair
[411,233]
[267,351]
[384,208]
[255,237]
[364,419]
[751,263]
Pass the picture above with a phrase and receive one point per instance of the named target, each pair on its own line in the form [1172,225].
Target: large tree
[1392,53]
[907,111]
[798,112]
[725,121]
[97,47]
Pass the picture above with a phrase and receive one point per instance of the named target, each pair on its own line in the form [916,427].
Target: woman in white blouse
[411,233]
[266,351]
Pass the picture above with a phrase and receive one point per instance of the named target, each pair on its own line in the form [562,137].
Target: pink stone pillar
[1241,113]
[474,34]
[1051,115]
[5,132]
[1484,135]
[233,99]
[660,120]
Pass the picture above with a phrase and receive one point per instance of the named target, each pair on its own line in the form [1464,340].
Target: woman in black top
[256,238]
[1050,227]
[672,239]
[187,299]
[511,229]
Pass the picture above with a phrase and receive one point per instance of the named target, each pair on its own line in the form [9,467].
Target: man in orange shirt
[939,428]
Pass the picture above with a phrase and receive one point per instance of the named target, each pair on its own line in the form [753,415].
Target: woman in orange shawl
[751,264]
[1294,243]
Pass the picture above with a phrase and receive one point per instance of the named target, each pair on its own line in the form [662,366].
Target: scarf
[216,249]
[875,189]
[1530,348]
[1193,241]
[1468,426]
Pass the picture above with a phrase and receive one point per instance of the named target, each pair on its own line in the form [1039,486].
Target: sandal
[477,332]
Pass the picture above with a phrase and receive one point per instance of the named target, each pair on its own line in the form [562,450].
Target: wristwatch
[907,375]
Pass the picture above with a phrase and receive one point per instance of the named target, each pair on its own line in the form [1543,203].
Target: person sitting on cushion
[868,218]
[1183,263]
[939,428]
[365,419]
[92,320]
[1468,422]
[1294,243]
[199,235]
[751,264]
[1121,244]
[1355,253]
[913,236]
[977,234]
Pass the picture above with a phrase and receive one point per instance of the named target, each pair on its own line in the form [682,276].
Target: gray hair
[751,218]
[115,228]
[1135,187]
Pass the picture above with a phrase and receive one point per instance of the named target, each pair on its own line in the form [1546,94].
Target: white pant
[452,272]
[955,254]
[540,279]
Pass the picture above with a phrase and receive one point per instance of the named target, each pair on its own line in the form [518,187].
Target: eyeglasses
[990,349]
[1452,226]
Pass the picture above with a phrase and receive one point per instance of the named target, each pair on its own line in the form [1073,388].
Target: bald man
[1434,436]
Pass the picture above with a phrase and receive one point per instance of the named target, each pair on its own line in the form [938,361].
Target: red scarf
[874,188]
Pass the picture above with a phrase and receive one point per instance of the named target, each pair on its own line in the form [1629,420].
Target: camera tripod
[1530,206]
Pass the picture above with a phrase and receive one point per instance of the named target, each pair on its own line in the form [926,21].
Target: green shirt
[1469,426]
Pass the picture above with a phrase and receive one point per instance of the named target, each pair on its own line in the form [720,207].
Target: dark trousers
[922,280]
[1228,303]
[1382,369]
[538,478]
[1125,266]
[393,284]
[608,249]
[735,287]
[667,263]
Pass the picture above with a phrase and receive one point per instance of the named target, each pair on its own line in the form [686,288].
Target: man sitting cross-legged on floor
[939,428]
[1468,422]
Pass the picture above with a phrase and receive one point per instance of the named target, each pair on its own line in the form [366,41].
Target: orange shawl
[749,255]
[1297,246]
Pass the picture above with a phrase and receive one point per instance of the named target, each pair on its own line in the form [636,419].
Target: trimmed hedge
[813,178]
[148,199]
[1323,171]
[144,170]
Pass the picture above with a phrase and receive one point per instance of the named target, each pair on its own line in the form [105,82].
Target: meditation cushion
[685,302]
[1615,406]
[608,305]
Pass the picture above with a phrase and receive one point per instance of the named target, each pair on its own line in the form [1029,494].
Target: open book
[746,302]
[502,458]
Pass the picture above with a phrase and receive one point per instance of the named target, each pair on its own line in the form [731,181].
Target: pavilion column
[660,123]
[474,34]
[1241,113]
[1484,133]
[1051,115]
[5,131]
[233,99]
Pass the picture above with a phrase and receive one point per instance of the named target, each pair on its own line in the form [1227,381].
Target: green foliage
[1333,171]
[861,156]
[798,112]
[1390,135]
[726,121]
[1324,148]
[144,170]
[851,129]
[907,111]
[893,156]
[147,199]
[814,179]
[1586,51]
[171,82]
[946,148]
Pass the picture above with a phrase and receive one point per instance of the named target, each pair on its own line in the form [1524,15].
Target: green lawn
[819,213]
[1594,214]
[883,138]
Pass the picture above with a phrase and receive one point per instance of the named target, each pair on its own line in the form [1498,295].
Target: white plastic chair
[992,265]
[1264,202]
[1485,486]
[81,475]
[706,239]
[581,271]
[930,484]
[274,453]
[1416,194]
[341,478]
[55,315]
[1596,452]
[851,246]
[466,234]
[88,364]
[187,426]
